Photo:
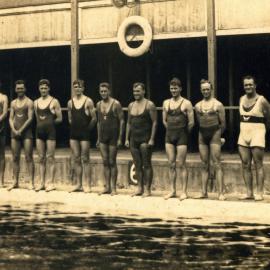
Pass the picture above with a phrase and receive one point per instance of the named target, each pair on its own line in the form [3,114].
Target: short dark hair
[44,81]
[105,84]
[79,82]
[202,81]
[249,77]
[175,81]
[19,82]
[142,85]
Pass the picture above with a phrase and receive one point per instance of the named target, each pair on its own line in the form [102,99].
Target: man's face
[104,92]
[138,92]
[206,90]
[20,89]
[44,90]
[78,89]
[175,90]
[249,86]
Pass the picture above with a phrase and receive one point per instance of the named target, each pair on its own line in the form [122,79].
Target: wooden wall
[47,22]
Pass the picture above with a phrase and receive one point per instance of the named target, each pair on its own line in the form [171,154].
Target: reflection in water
[41,237]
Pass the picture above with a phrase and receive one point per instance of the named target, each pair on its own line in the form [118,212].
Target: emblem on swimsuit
[246,118]
[19,115]
[42,117]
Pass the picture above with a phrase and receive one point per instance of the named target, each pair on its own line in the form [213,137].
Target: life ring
[121,36]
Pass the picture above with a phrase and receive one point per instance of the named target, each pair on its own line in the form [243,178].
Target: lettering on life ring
[121,36]
[132,174]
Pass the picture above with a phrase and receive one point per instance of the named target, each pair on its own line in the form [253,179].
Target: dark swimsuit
[108,126]
[209,132]
[140,128]
[176,133]
[79,128]
[45,129]
[3,122]
[20,117]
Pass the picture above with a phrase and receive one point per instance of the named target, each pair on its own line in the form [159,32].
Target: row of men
[178,119]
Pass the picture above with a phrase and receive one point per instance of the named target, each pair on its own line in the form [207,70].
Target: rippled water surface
[43,236]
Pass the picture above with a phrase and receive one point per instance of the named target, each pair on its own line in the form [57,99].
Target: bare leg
[204,154]
[76,155]
[113,167]
[104,150]
[51,162]
[28,150]
[2,159]
[136,155]
[40,144]
[258,154]
[85,152]
[171,156]
[246,157]
[16,153]
[181,159]
[215,157]
[146,154]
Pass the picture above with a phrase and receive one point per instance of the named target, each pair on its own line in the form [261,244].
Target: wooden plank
[211,44]
[74,42]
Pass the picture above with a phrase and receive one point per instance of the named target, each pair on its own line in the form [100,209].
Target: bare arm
[153,115]
[120,115]
[58,113]
[11,117]
[5,108]
[92,113]
[30,114]
[266,112]
[69,111]
[164,114]
[190,116]
[98,126]
[222,117]
[196,109]
[128,127]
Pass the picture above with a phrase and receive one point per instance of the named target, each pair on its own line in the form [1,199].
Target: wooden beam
[211,43]
[74,41]
[188,69]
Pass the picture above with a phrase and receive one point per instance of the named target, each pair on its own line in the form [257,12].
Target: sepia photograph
[134,134]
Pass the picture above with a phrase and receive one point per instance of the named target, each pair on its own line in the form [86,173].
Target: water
[47,236]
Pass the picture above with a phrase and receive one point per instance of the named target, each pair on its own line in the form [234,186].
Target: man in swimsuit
[178,119]
[20,121]
[140,134]
[110,131]
[254,118]
[48,115]
[3,116]
[210,114]
[82,118]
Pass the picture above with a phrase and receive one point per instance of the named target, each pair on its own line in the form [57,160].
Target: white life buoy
[121,36]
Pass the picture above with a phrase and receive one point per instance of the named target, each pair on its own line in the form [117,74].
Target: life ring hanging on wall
[121,36]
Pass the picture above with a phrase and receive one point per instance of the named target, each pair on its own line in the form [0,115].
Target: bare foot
[42,187]
[183,196]
[87,190]
[137,193]
[259,197]
[113,193]
[221,197]
[76,189]
[247,197]
[31,187]
[15,185]
[147,193]
[202,196]
[105,191]
[170,195]
[50,188]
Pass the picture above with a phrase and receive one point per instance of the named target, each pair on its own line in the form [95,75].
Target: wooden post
[148,76]
[211,43]
[74,41]
[231,90]
[188,72]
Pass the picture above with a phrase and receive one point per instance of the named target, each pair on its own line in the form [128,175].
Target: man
[178,119]
[140,134]
[48,115]
[20,120]
[110,132]
[82,118]
[211,118]
[3,116]
[254,114]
